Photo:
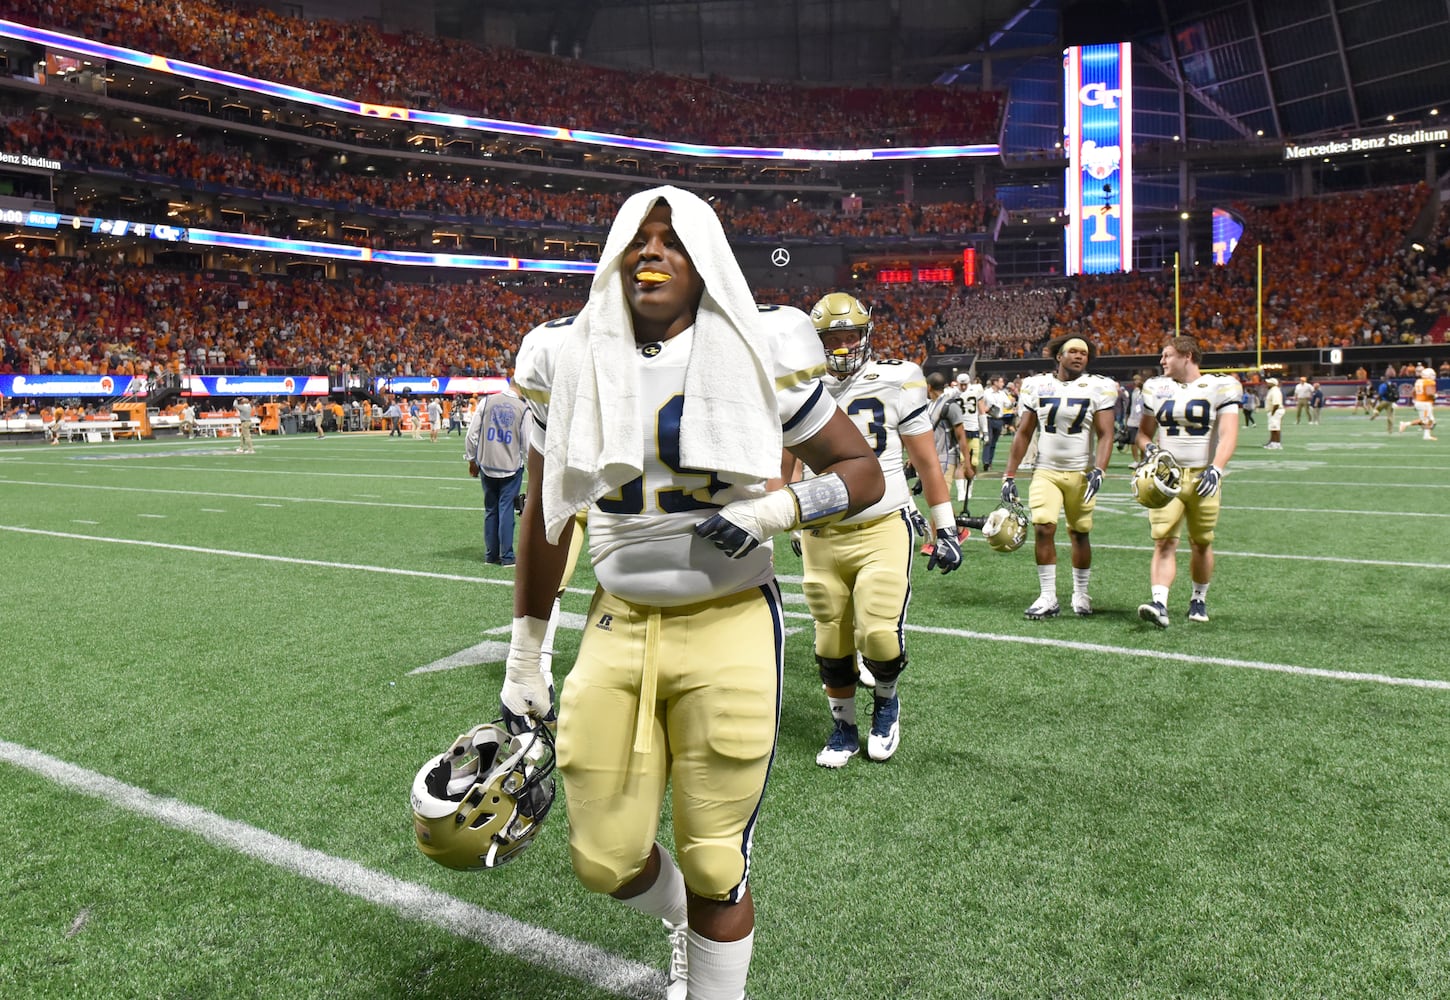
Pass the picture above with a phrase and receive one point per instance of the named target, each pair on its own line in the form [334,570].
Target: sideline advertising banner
[61,386]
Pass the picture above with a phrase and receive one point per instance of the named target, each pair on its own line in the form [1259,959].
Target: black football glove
[1009,490]
[1094,483]
[1209,480]
[947,551]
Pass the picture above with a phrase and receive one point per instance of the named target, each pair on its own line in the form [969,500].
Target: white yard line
[1342,675]
[538,946]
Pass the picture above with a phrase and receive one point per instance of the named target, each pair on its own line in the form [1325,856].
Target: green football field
[221,672]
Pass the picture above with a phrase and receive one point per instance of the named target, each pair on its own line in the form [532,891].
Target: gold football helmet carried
[482,801]
[1157,480]
[1006,527]
[836,312]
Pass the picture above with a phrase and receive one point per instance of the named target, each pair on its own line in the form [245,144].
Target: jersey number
[1194,422]
[672,499]
[875,429]
[1053,404]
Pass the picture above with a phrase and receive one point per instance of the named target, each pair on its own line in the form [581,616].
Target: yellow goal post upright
[1258,365]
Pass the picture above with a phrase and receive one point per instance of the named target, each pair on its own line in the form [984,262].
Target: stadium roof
[1206,70]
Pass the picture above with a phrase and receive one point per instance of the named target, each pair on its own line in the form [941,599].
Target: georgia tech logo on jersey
[651,350]
[1095,95]
[605,623]
[871,376]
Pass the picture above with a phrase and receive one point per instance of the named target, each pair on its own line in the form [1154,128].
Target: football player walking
[1195,418]
[858,570]
[678,677]
[1072,413]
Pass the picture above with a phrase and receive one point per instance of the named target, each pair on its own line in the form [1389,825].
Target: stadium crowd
[91,316]
[208,164]
[361,62]
[1322,259]
[85,317]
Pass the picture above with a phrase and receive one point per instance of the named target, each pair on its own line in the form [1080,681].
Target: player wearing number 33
[857,572]
[1072,414]
[663,408]
[1195,418]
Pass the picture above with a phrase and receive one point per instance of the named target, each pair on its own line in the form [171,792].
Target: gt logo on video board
[1098,136]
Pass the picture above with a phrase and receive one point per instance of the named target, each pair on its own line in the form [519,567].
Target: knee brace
[886,671]
[837,671]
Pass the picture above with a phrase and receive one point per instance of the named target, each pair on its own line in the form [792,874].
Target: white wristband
[942,518]
[526,643]
[766,516]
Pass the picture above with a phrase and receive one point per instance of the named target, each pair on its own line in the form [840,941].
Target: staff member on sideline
[494,447]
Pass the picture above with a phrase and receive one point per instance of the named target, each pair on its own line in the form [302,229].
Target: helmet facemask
[837,313]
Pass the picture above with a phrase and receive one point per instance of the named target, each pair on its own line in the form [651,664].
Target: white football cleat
[844,743]
[885,733]
[1043,607]
[1155,613]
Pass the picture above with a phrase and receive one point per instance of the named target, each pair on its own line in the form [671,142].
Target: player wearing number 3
[663,407]
[1195,418]
[1072,414]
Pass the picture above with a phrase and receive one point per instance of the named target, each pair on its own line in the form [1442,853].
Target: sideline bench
[217,426]
[91,430]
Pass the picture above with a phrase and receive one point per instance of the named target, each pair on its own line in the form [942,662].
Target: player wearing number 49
[1072,414]
[1195,418]
[858,570]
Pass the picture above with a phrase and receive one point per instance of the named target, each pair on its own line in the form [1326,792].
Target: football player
[1195,418]
[1072,413]
[858,570]
[1424,397]
[974,422]
[677,680]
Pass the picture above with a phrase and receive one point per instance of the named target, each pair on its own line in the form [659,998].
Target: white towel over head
[729,425]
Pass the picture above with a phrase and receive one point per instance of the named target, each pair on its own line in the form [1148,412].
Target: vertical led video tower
[1098,135]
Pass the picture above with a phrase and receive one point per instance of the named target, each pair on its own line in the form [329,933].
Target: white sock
[843,709]
[961,489]
[1160,594]
[1047,578]
[718,969]
[665,900]
[546,651]
[970,483]
[1080,580]
[1200,592]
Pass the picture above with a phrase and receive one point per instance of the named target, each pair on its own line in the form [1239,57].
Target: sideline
[497,931]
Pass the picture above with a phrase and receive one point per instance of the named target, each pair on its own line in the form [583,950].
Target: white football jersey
[642,540]
[885,399]
[1065,413]
[1188,413]
[971,398]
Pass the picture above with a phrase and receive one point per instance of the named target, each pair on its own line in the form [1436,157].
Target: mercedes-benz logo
[780,256]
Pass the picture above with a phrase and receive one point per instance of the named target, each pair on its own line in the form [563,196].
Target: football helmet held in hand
[1006,527]
[1157,480]
[482,801]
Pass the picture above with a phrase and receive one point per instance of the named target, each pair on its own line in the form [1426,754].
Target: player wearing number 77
[663,407]
[1195,418]
[1072,414]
